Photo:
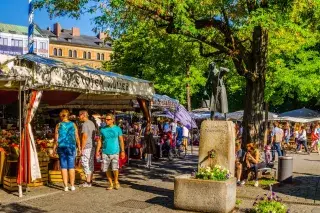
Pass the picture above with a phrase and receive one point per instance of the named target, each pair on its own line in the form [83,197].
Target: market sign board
[49,74]
[9,50]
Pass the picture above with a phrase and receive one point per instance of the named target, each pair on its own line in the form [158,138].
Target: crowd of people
[104,139]
[280,137]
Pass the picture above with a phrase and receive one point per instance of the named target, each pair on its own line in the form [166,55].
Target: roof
[301,113]
[16,29]
[56,63]
[67,38]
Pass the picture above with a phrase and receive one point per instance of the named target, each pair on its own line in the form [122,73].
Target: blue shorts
[67,156]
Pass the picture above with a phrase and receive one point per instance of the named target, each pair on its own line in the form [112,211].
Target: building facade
[70,46]
[14,40]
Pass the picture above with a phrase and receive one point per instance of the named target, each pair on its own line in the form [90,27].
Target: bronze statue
[216,90]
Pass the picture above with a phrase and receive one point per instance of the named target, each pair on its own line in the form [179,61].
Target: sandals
[110,187]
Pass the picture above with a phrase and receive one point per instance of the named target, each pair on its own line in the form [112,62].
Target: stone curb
[284,201]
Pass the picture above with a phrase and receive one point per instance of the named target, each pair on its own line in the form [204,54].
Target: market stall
[62,85]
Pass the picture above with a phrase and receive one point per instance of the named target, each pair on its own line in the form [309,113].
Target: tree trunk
[188,88]
[254,99]
[266,120]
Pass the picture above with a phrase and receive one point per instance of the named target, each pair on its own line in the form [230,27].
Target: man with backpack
[277,136]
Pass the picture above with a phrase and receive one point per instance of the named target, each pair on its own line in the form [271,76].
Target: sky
[16,12]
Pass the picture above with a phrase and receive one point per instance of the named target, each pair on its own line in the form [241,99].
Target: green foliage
[224,28]
[270,207]
[238,202]
[160,58]
[264,182]
[213,173]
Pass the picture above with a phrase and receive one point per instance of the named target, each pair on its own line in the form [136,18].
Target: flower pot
[204,195]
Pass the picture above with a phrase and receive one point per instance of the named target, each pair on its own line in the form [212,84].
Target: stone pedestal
[217,137]
[204,195]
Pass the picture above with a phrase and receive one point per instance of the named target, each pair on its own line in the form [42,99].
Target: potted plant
[269,203]
[212,189]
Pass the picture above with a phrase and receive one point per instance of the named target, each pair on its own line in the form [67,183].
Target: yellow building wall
[93,62]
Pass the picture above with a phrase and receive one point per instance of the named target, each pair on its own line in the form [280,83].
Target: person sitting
[238,164]
[253,162]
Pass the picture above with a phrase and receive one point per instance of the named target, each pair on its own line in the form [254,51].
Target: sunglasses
[108,119]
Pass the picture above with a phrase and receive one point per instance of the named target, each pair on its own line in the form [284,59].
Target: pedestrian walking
[66,139]
[87,146]
[149,144]
[302,139]
[315,136]
[277,135]
[111,141]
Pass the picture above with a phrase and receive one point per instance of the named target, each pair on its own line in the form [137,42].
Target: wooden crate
[55,176]
[80,175]
[2,160]
[10,183]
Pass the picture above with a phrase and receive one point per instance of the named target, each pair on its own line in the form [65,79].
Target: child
[267,152]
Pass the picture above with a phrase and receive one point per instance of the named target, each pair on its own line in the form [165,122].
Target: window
[34,44]
[102,57]
[16,43]
[60,52]
[70,53]
[98,56]
[74,53]
[4,41]
[55,52]
[43,45]
[84,55]
[89,55]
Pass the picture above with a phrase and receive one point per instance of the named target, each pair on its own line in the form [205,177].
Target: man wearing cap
[111,141]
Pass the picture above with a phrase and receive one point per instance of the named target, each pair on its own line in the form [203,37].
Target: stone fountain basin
[204,195]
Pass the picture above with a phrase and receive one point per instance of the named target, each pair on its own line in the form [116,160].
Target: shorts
[87,160]
[67,157]
[110,162]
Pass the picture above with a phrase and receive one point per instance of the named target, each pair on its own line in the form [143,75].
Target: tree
[237,30]
[162,58]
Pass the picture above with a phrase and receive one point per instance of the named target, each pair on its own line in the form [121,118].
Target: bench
[265,172]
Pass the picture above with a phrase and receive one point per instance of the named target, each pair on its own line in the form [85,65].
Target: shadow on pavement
[161,201]
[18,208]
[303,186]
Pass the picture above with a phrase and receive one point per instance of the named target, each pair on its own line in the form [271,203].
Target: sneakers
[72,188]
[256,183]
[243,182]
[86,185]
[66,189]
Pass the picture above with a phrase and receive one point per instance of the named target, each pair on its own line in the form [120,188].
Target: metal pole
[31,28]
[20,139]
[24,135]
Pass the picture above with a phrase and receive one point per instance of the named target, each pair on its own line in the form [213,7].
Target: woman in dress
[149,144]
[66,139]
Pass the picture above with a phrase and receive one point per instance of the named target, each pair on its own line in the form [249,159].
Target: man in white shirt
[185,136]
[277,135]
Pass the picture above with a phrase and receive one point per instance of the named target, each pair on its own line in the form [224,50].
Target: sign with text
[9,50]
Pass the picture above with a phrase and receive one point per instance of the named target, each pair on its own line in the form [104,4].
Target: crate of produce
[10,183]
[80,175]
[55,176]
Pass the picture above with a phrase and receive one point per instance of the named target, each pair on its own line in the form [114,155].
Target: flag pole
[31,28]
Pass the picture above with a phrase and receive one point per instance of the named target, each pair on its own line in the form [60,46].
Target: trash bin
[285,168]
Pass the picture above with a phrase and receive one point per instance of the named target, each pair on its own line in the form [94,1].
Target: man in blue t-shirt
[112,144]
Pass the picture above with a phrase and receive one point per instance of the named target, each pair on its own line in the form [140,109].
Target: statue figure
[216,90]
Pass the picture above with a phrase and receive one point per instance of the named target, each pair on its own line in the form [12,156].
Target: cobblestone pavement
[146,190]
